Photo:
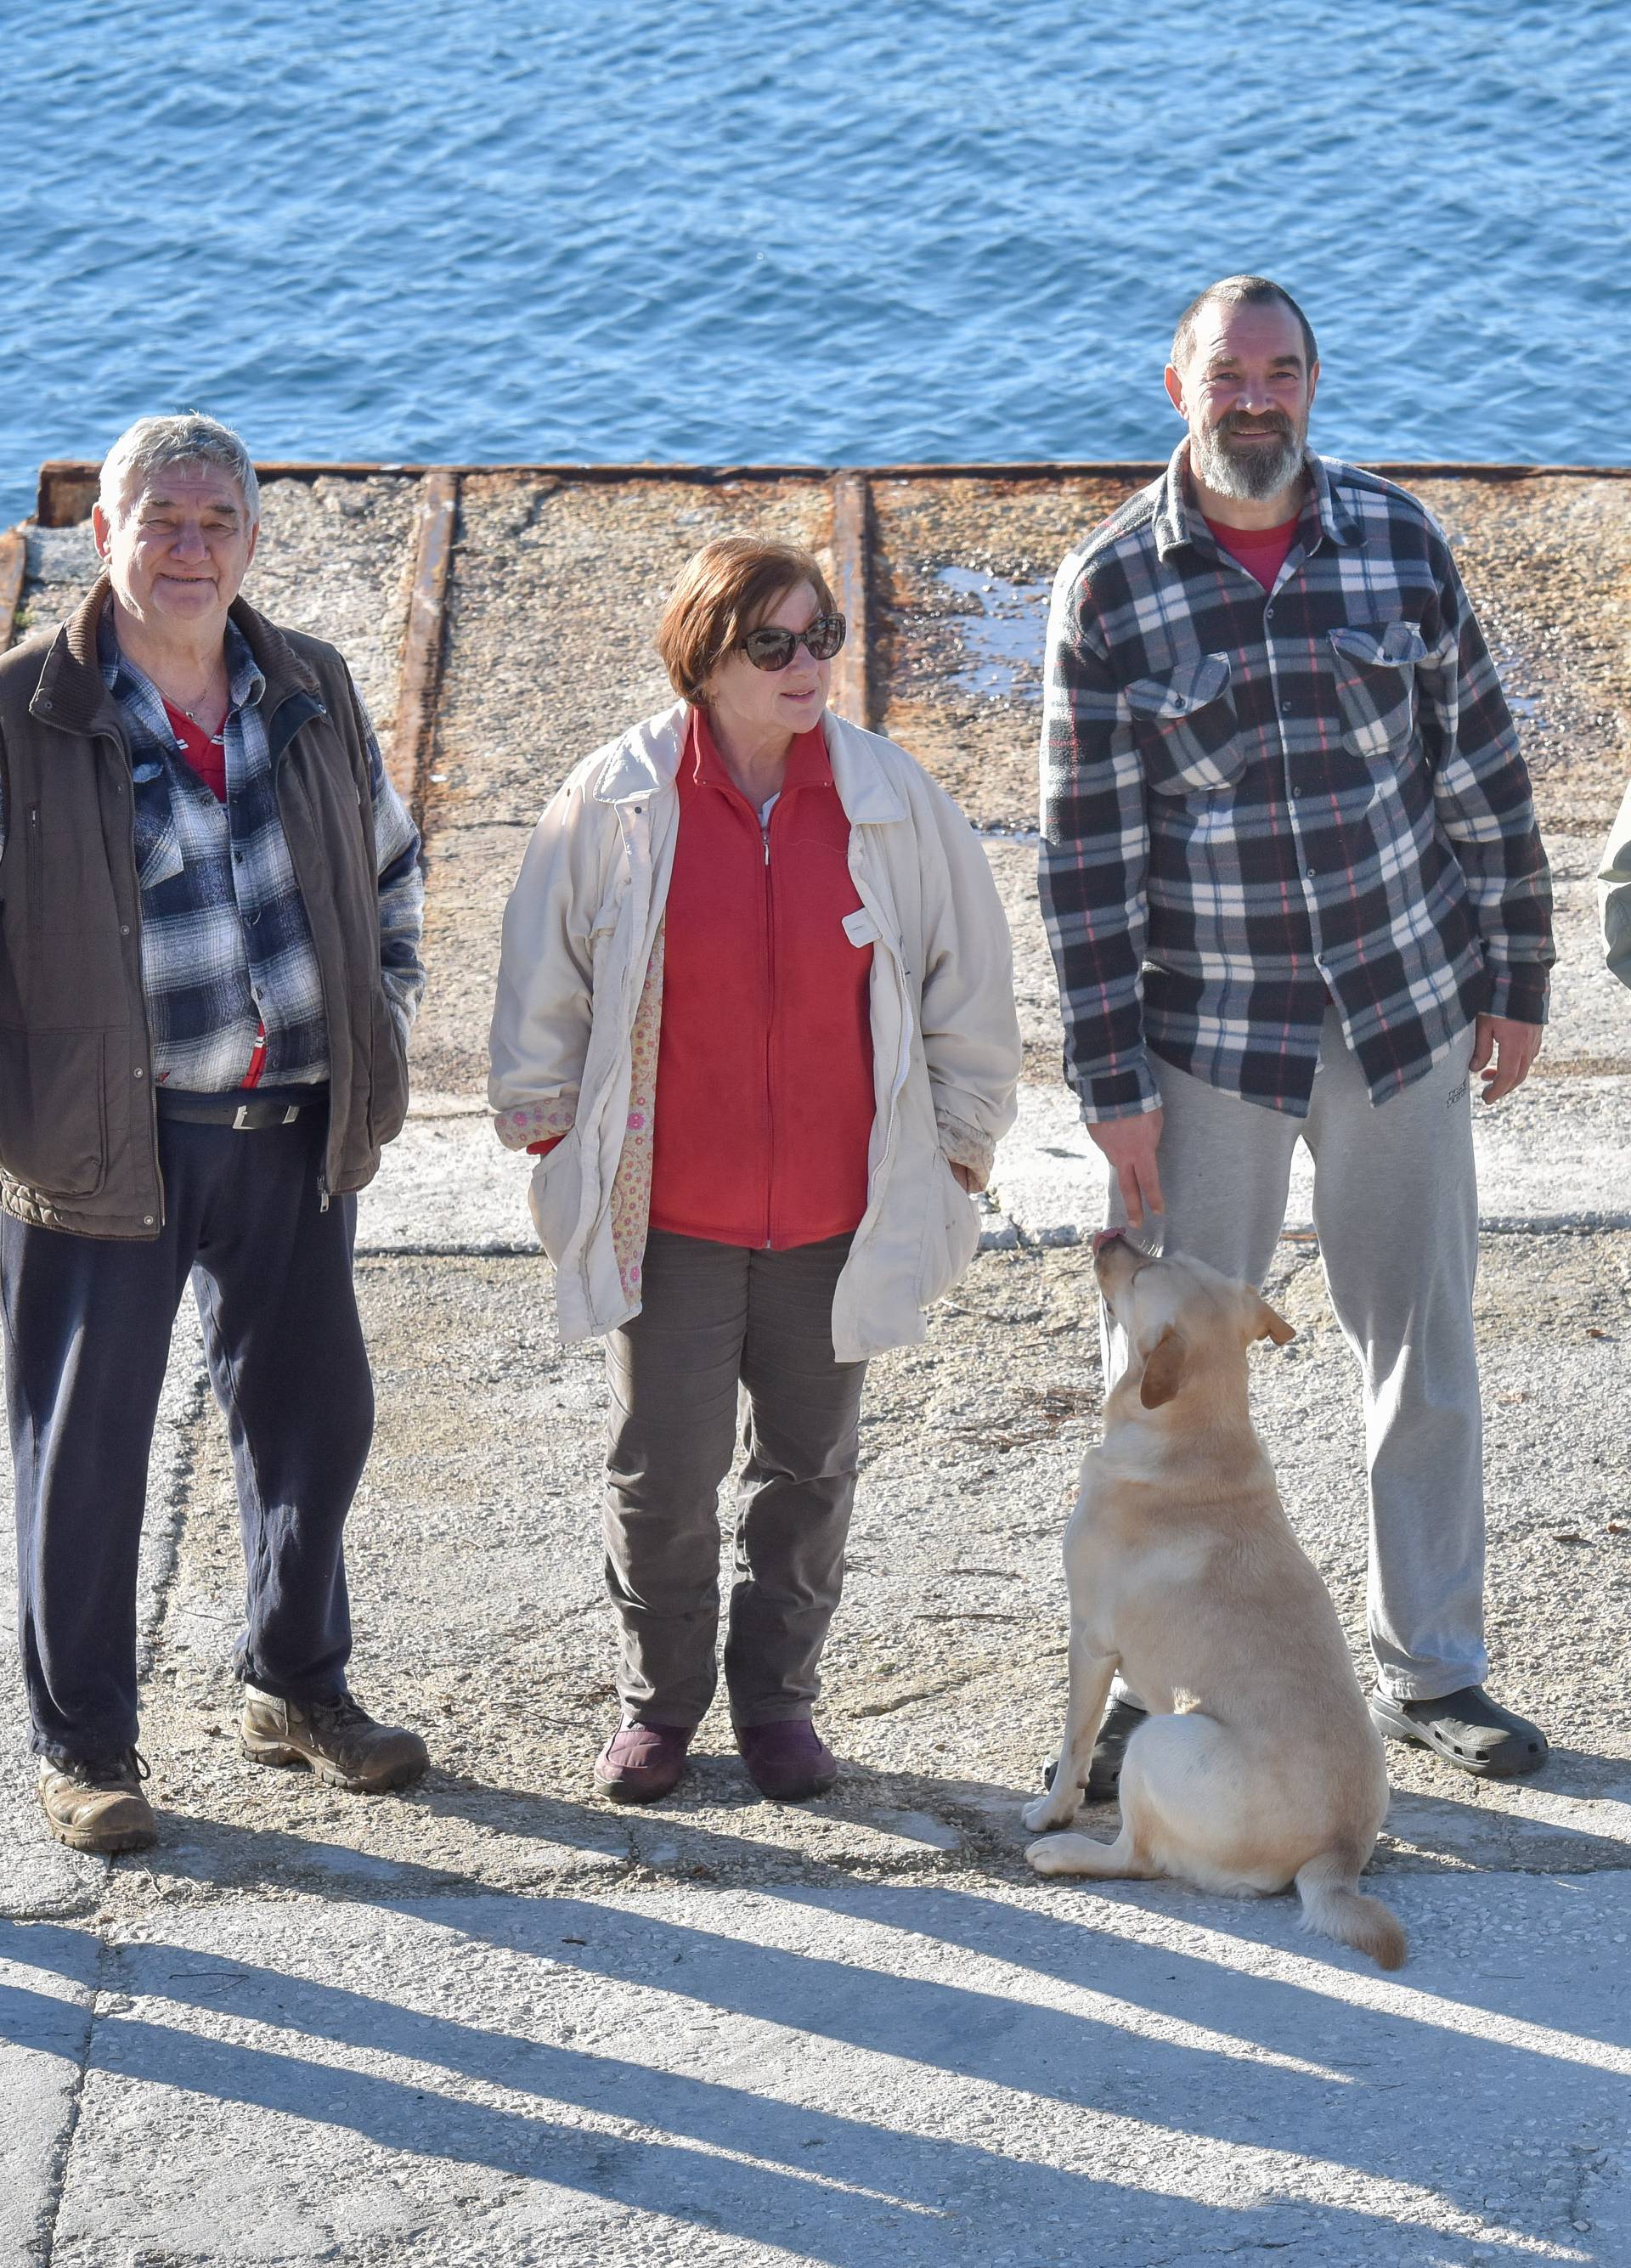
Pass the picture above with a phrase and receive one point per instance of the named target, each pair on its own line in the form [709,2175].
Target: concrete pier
[497,2020]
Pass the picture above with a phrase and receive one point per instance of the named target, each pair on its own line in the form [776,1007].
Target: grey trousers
[716,1317]
[1396,1212]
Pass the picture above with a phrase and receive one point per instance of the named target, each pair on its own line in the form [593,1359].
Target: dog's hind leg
[1090,1676]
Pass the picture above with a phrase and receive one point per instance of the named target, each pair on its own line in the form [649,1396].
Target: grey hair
[1239,291]
[192,438]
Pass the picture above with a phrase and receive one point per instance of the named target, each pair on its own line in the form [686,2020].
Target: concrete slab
[47,1979]
[476,1589]
[1554,1154]
[844,2075]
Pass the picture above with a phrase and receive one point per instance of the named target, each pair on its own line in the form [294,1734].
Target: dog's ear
[1271,1324]
[1163,1369]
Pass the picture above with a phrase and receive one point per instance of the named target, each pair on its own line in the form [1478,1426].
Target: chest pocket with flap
[1184,728]
[1376,687]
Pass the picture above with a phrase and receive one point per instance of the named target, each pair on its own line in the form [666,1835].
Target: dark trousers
[714,1318]
[87,1334]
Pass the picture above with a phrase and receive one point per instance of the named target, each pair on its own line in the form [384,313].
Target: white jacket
[574,1029]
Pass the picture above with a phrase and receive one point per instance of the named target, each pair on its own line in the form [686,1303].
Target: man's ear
[1271,1325]
[1163,1369]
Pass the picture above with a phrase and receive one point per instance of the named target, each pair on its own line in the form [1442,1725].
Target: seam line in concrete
[178,1497]
[57,2177]
[1540,1224]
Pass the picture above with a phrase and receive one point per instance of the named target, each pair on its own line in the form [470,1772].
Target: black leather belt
[244,1113]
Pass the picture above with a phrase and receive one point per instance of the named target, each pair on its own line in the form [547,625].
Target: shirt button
[147,1220]
[1312,872]
[1285,708]
[139,1072]
[124,929]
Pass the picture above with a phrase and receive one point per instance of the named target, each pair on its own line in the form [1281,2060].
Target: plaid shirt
[1255,803]
[226,943]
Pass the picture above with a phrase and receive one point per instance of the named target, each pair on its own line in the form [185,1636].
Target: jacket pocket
[1375,686]
[1184,728]
[950,1233]
[555,1194]
[387,1076]
[53,1110]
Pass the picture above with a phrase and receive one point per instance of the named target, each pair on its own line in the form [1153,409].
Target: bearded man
[1295,888]
[209,964]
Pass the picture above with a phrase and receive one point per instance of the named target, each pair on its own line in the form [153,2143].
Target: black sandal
[1467,1730]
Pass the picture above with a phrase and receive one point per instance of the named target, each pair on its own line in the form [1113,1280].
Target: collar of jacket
[645,760]
[71,692]
[1177,523]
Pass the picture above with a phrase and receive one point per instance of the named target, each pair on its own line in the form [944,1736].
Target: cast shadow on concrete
[774,2180]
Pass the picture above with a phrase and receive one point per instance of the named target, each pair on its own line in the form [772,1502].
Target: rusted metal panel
[424,639]
[67,487]
[13,567]
[852,557]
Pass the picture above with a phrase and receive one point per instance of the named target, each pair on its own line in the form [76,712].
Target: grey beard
[1250,475]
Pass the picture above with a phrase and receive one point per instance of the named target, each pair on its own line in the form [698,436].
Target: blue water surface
[855,233]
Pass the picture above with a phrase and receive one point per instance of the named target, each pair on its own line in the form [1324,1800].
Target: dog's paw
[1053,1854]
[1045,1811]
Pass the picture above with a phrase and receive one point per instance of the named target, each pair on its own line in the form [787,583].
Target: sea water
[869,231]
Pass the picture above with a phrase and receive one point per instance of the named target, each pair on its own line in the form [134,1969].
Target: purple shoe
[786,1761]
[641,1763]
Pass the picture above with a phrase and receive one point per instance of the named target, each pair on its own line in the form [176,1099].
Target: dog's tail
[1331,1904]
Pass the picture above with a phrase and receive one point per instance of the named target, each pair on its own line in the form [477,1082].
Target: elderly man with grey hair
[209,916]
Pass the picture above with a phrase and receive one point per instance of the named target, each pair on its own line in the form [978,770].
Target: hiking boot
[338,1740]
[642,1763]
[787,1761]
[96,1803]
[1467,1730]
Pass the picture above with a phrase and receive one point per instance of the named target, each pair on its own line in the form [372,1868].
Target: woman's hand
[967,1179]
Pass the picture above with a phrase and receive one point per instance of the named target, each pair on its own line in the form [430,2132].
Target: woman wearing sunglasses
[756,1016]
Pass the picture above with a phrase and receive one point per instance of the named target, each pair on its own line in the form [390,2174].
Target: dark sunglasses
[770,648]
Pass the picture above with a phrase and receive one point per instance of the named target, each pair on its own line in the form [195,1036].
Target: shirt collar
[1178,521]
[246,682]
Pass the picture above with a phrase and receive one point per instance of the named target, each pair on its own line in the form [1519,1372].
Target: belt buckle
[240,1118]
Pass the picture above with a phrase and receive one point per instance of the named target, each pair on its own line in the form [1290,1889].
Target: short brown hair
[724,591]
[1240,291]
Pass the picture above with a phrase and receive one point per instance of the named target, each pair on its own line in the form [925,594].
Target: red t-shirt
[1261,551]
[207,756]
[208,759]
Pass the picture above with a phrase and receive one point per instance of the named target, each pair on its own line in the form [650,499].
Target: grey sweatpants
[714,1317]
[1396,1212]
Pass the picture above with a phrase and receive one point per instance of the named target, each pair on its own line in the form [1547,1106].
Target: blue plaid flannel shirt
[225,943]
[1255,803]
